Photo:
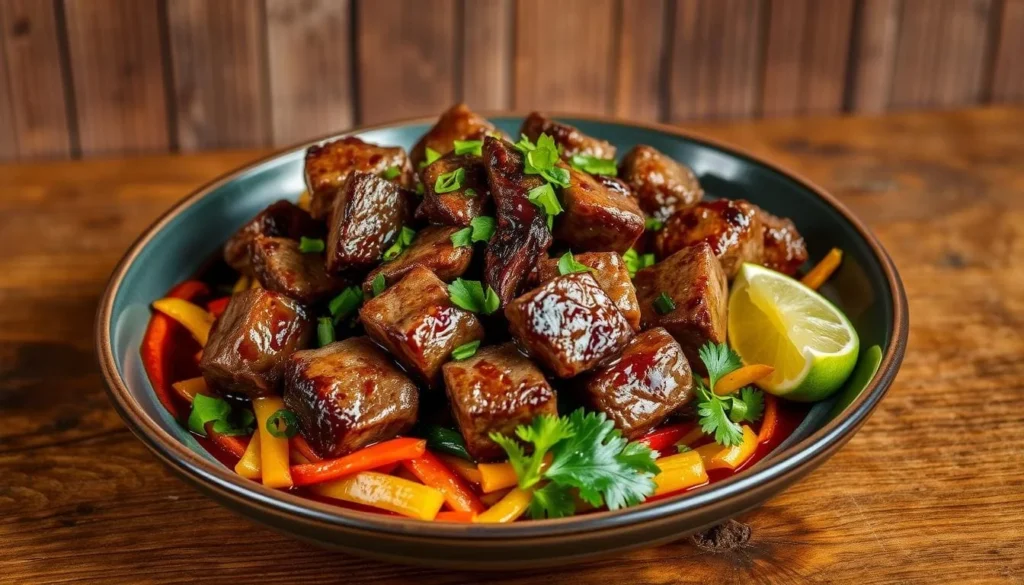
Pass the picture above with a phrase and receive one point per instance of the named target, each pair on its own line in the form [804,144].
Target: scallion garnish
[450,181]
[469,147]
[346,303]
[325,331]
[664,304]
[465,351]
[378,285]
[283,424]
[391,172]
[310,245]
[471,296]
[593,165]
[404,239]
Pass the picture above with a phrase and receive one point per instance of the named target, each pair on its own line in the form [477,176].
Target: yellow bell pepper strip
[273,450]
[465,469]
[156,344]
[364,459]
[188,389]
[496,476]
[305,201]
[663,440]
[193,317]
[691,437]
[241,284]
[449,516]
[386,492]
[430,470]
[679,472]
[770,422]
[494,497]
[508,509]
[824,269]
[717,457]
[708,452]
[744,376]
[249,465]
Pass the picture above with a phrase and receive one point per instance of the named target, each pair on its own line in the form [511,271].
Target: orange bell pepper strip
[508,509]
[664,440]
[678,472]
[273,450]
[196,319]
[188,389]
[432,472]
[300,444]
[217,307]
[449,516]
[155,352]
[824,269]
[249,465]
[497,476]
[386,492]
[466,469]
[732,457]
[362,460]
[770,422]
[741,377]
[494,497]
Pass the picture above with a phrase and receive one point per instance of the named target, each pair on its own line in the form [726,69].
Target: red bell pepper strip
[432,472]
[154,350]
[217,307]
[234,445]
[770,422]
[663,440]
[300,444]
[362,460]
[449,516]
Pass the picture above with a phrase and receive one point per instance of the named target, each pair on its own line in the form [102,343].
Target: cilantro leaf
[752,402]
[567,264]
[714,418]
[719,360]
[462,238]
[516,454]
[471,296]
[552,501]
[543,433]
[483,228]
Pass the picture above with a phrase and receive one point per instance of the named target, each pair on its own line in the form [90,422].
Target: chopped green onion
[463,238]
[226,421]
[346,303]
[431,156]
[653,224]
[567,264]
[419,189]
[378,285]
[469,147]
[325,331]
[391,172]
[402,242]
[445,440]
[542,159]
[593,165]
[310,245]
[635,262]
[681,448]
[450,181]
[283,424]
[465,351]
[471,192]
[664,304]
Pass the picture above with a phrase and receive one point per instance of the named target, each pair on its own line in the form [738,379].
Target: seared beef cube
[693,278]
[662,186]
[369,212]
[432,249]
[329,165]
[597,218]
[250,342]
[417,322]
[281,266]
[611,275]
[784,247]
[495,391]
[457,207]
[283,219]
[569,138]
[456,123]
[347,395]
[568,324]
[732,228]
[647,382]
[616,185]
[521,235]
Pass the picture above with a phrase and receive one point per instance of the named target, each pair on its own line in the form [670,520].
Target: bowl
[867,287]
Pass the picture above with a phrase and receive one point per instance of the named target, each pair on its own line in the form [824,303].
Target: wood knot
[722,537]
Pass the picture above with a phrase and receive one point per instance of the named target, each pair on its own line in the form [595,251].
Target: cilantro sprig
[720,415]
[471,296]
[568,264]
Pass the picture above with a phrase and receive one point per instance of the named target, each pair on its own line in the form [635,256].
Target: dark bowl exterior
[868,288]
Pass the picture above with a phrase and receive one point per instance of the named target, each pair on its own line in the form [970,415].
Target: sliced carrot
[248,465]
[770,422]
[733,457]
[824,269]
[386,492]
[233,445]
[432,472]
[362,460]
[467,470]
[741,377]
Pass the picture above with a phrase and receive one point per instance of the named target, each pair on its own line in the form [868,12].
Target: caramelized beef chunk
[415,320]
[456,123]
[596,218]
[283,219]
[569,138]
[649,380]
[616,185]
[568,324]
[432,249]
[662,186]
[250,342]
[693,278]
[611,275]
[733,229]
[347,395]
[457,207]
[784,247]
[329,165]
[281,267]
[493,392]
[369,212]
[521,235]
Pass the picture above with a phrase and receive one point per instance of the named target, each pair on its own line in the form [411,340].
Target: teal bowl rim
[781,466]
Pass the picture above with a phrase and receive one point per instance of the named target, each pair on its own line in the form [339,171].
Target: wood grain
[874,55]
[8,137]
[486,52]
[117,68]
[1007,71]
[928,491]
[640,67]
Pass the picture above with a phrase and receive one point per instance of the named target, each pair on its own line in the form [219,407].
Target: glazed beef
[493,392]
[568,324]
[615,184]
[661,185]
[611,275]
[596,218]
[784,247]
[368,214]
[569,138]
[732,228]
[415,320]
[649,380]
[347,395]
[329,165]
[457,207]
[432,249]
[456,123]
[693,278]
[250,342]
[283,219]
[280,266]
[521,235]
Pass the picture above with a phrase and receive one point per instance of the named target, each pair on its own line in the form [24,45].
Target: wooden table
[931,490]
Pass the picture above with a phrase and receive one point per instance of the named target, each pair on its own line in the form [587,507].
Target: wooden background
[86,78]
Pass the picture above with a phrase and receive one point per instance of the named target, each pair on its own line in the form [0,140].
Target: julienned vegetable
[371,457]
[386,492]
[432,472]
[273,449]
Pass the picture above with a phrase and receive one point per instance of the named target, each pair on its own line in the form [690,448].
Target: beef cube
[432,249]
[616,185]
[611,275]
[569,138]
[784,247]
[416,321]
[369,212]
[568,324]
[732,228]
[661,185]
[456,123]
[329,165]
[693,278]
[347,395]
[457,207]
[643,385]
[495,391]
[596,218]
[250,342]
[521,234]
[283,219]
[281,266]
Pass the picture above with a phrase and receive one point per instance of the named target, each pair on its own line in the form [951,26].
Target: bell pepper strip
[249,464]
[387,468]
[154,350]
[824,269]
[193,317]
[744,376]
[362,460]
[300,444]
[273,450]
[386,492]
[449,516]
[494,497]
[508,509]
[305,201]
[729,457]
[664,440]
[465,469]
[432,472]
[188,389]
[496,476]
[241,284]
[217,307]
[708,452]
[690,438]
[770,422]
[678,472]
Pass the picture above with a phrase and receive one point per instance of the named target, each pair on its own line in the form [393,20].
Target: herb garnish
[466,350]
[635,262]
[345,303]
[469,147]
[450,181]
[594,165]
[378,285]
[481,229]
[471,296]
[310,245]
[431,156]
[567,264]
[226,421]
[720,415]
[391,172]
[402,242]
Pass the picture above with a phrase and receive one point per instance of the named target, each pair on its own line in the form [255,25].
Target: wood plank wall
[115,77]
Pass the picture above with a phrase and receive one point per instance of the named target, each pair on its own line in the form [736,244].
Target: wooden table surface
[930,490]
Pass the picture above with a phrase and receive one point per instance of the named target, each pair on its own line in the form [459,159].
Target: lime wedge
[776,320]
